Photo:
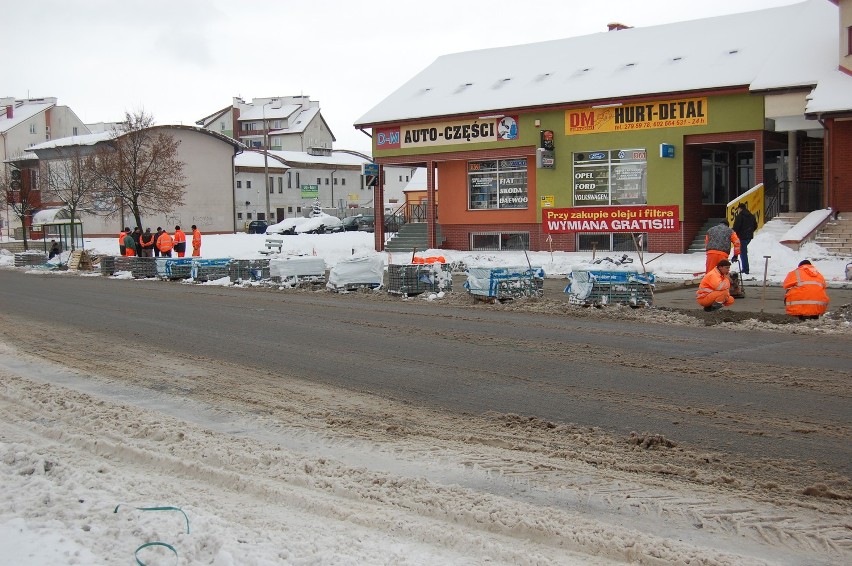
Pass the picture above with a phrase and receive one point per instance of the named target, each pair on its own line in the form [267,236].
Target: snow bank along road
[410,432]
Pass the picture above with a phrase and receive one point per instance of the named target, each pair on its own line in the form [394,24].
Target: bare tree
[140,167]
[71,180]
[21,195]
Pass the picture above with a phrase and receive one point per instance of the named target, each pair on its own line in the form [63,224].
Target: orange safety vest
[714,287]
[121,236]
[179,236]
[164,242]
[196,238]
[805,294]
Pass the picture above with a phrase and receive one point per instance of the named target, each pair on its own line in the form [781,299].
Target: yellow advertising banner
[548,201]
[630,117]
[754,200]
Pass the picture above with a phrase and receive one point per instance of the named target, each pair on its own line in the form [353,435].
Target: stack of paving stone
[24,259]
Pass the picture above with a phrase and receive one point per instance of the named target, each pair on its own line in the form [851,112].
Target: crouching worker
[805,296]
[715,289]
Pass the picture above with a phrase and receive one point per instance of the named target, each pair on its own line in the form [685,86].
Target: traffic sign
[370,169]
[371,180]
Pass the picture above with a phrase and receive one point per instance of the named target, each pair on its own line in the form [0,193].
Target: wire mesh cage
[599,288]
[249,270]
[504,283]
[414,279]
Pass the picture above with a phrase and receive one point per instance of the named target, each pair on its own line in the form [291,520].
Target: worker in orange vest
[165,244]
[146,244]
[121,236]
[180,242]
[714,292]
[805,296]
[196,241]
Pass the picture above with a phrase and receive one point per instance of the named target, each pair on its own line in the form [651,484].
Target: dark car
[257,227]
[351,223]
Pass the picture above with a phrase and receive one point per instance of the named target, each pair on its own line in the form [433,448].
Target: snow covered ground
[279,471]
[668,267]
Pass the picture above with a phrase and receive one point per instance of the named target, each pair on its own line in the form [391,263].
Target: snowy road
[273,466]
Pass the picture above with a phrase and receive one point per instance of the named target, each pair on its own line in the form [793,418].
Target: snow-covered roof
[93,139]
[299,124]
[21,113]
[268,112]
[86,139]
[336,158]
[252,158]
[50,215]
[832,94]
[726,51]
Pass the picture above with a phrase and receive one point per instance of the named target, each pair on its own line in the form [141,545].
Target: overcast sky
[181,60]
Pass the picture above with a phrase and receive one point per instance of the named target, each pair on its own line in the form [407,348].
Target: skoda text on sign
[610,219]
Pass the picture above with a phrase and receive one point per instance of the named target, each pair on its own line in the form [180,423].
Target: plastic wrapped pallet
[210,269]
[174,268]
[599,287]
[416,278]
[357,271]
[505,282]
[298,270]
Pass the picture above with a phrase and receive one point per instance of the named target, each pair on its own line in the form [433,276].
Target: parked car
[257,227]
[350,223]
[392,223]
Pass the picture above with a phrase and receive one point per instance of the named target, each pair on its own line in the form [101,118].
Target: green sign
[310,191]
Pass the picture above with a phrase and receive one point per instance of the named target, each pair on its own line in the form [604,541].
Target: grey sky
[184,59]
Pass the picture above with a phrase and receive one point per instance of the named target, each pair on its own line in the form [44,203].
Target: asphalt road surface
[762,394]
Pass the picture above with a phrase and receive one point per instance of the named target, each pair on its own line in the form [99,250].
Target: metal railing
[777,197]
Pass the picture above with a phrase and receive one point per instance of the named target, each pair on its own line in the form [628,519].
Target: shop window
[610,177]
[745,171]
[714,177]
[499,241]
[497,184]
[611,242]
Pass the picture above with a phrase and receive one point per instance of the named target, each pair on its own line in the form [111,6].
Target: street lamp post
[266,161]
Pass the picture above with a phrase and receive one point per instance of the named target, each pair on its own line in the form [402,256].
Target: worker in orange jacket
[196,241]
[805,296]
[121,235]
[714,292]
[718,242]
[129,245]
[180,242]
[165,244]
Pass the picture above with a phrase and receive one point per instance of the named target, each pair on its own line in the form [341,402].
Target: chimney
[9,112]
[615,26]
